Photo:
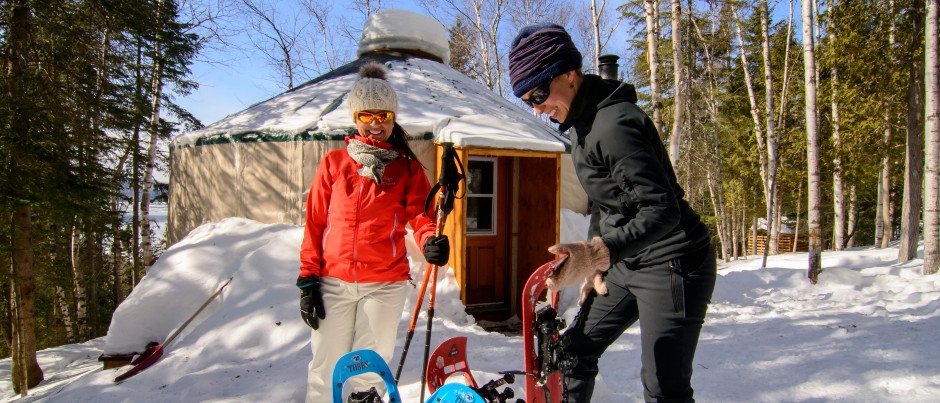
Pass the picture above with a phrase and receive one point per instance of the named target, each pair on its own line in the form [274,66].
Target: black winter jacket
[638,207]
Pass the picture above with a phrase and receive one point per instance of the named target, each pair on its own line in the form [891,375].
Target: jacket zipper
[355,271]
[326,233]
[391,236]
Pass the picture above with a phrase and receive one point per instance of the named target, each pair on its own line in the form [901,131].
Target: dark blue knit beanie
[538,53]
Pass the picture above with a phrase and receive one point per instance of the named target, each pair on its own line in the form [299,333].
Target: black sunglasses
[540,95]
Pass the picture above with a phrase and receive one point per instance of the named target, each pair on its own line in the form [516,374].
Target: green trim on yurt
[277,136]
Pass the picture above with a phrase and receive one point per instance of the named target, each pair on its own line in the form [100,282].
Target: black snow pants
[670,301]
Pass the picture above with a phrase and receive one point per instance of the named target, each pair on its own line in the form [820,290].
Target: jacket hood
[624,92]
[596,92]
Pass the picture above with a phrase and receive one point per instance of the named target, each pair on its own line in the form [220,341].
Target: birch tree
[326,53]
[651,11]
[156,98]
[838,191]
[62,311]
[484,18]
[814,189]
[528,12]
[932,139]
[278,38]
[714,173]
[758,130]
[770,180]
[679,107]
[78,280]
[602,27]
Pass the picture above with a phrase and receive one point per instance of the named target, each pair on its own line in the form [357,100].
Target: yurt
[258,163]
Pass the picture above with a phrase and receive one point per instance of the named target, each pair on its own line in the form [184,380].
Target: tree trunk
[156,94]
[914,158]
[778,223]
[715,190]
[853,216]
[6,319]
[885,211]
[81,317]
[838,188]
[814,189]
[759,133]
[117,260]
[678,67]
[932,139]
[771,174]
[735,239]
[651,9]
[66,321]
[596,32]
[25,371]
[879,212]
[781,121]
[754,237]
[796,231]
[486,50]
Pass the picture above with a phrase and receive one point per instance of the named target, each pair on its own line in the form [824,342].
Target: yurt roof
[435,101]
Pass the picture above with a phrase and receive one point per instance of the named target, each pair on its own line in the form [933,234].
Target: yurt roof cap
[404,31]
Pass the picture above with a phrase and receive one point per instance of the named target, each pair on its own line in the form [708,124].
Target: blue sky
[229,87]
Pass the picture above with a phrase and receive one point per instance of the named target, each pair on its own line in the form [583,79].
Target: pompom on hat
[538,53]
[372,91]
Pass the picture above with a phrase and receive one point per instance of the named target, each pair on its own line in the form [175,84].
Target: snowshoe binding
[369,396]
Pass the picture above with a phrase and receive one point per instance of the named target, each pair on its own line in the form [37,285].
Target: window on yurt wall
[481,196]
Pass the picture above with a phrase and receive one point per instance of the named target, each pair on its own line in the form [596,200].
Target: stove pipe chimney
[607,67]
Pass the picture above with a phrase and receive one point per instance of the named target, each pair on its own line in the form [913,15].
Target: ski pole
[427,337]
[452,173]
[414,321]
[424,284]
[152,354]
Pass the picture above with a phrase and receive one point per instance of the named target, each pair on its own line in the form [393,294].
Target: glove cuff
[600,254]
[307,281]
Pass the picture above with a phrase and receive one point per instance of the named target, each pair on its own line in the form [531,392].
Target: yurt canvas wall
[253,177]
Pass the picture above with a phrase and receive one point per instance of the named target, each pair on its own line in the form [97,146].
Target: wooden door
[487,266]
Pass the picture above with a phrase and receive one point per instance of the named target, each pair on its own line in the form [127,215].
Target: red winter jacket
[355,228]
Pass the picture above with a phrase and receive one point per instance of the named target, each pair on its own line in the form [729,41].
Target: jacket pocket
[677,286]
[629,203]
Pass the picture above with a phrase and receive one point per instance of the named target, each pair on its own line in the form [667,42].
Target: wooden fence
[786,243]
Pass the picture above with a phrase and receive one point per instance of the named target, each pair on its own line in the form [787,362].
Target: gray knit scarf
[372,158]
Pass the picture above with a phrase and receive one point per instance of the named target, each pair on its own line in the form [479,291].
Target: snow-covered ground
[867,332]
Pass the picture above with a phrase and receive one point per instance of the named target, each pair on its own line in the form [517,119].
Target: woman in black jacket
[649,257]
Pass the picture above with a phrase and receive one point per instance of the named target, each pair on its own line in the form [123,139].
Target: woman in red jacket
[353,261]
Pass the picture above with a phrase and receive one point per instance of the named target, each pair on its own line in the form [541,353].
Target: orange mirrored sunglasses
[367,117]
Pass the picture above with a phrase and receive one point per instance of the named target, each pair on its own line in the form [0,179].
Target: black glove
[437,250]
[311,301]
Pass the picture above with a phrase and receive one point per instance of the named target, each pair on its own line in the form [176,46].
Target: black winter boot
[369,396]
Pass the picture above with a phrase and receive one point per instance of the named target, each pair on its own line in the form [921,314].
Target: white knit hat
[372,91]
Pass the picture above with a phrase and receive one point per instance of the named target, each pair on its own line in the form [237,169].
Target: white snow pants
[358,316]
